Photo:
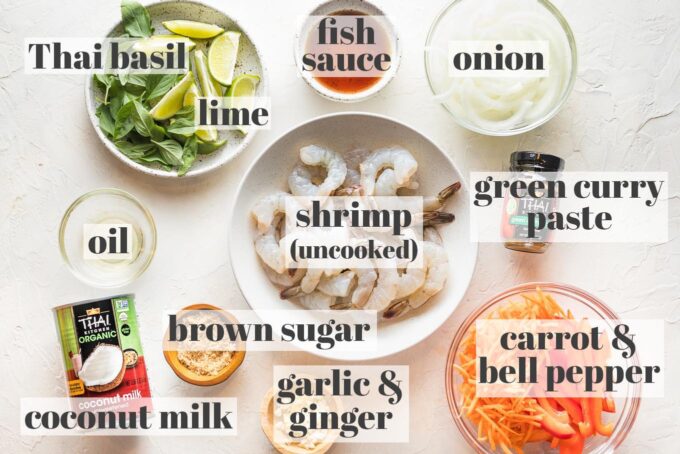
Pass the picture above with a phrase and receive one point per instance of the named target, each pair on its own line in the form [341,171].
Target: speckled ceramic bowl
[249,61]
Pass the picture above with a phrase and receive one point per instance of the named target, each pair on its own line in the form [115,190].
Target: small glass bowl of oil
[107,238]
[344,44]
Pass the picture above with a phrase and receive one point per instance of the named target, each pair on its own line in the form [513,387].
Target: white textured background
[623,115]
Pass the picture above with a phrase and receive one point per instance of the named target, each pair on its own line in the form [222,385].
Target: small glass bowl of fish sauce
[107,238]
[347,50]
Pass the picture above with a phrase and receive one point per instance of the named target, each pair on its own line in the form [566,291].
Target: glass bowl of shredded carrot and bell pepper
[528,425]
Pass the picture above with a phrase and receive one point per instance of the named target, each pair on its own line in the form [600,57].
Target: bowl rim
[347,98]
[230,234]
[566,28]
[631,406]
[94,193]
[91,108]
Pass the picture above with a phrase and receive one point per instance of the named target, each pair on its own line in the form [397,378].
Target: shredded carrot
[504,422]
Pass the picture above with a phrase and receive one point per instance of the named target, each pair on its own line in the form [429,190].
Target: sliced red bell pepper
[554,426]
[561,416]
[601,428]
[608,405]
[572,407]
[587,426]
[572,445]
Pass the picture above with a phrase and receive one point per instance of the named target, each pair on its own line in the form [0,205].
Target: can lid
[94,300]
[538,161]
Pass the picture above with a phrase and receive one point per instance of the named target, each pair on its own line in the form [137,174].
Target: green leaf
[209,147]
[137,80]
[144,123]
[182,127]
[135,151]
[188,155]
[106,121]
[135,84]
[136,19]
[186,112]
[124,122]
[116,97]
[106,81]
[159,84]
[171,151]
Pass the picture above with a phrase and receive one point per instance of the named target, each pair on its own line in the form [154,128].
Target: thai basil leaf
[106,81]
[188,155]
[136,19]
[209,147]
[124,122]
[186,112]
[106,121]
[137,80]
[144,123]
[135,84]
[155,158]
[171,151]
[159,84]
[116,97]
[182,127]
[135,151]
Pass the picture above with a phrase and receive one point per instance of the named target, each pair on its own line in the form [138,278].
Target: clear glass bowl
[582,304]
[107,206]
[436,53]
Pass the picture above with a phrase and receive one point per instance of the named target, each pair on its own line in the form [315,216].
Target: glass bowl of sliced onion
[501,68]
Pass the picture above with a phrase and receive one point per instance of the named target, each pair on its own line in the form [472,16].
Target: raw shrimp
[387,184]
[436,262]
[313,277]
[300,180]
[339,285]
[431,218]
[410,279]
[309,282]
[268,247]
[268,208]
[353,178]
[433,203]
[316,301]
[366,278]
[288,278]
[432,235]
[385,288]
[400,160]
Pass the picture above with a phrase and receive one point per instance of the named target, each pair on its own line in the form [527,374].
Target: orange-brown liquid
[348,85]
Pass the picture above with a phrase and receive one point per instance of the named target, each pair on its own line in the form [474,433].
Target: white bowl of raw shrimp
[344,133]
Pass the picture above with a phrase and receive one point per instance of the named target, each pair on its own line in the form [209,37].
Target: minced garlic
[282,422]
[205,363]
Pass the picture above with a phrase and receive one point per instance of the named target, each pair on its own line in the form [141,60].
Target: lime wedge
[244,85]
[191,94]
[241,92]
[206,133]
[193,29]
[206,85]
[222,57]
[219,89]
[172,101]
[159,43]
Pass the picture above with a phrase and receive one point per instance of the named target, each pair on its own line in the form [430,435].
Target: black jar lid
[531,160]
